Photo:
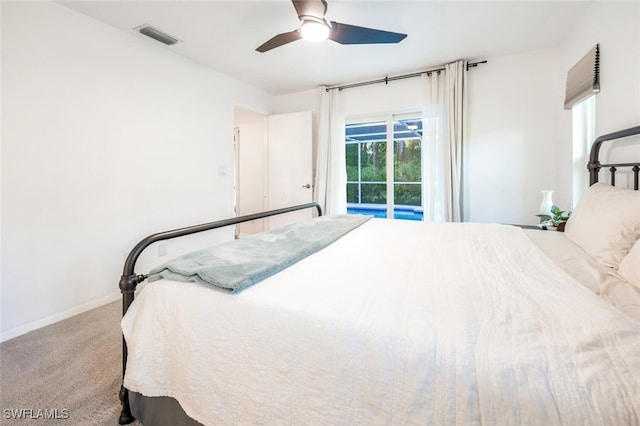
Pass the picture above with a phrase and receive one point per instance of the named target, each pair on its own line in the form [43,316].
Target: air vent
[156,34]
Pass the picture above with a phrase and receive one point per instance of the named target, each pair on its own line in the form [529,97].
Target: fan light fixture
[314,29]
[314,26]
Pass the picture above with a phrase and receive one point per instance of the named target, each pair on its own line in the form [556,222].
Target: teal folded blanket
[238,264]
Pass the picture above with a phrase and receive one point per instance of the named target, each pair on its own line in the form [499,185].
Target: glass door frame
[390,118]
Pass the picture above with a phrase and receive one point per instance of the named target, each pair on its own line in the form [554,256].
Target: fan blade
[316,8]
[351,34]
[279,40]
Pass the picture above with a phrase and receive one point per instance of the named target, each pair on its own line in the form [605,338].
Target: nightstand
[529,227]
[560,227]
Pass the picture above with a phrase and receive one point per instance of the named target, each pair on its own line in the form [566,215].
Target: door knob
[306,186]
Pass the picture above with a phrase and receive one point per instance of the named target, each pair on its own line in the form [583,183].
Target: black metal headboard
[594,165]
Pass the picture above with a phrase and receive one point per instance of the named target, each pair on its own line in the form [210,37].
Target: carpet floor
[72,369]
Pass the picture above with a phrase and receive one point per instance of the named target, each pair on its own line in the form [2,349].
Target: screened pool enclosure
[381,180]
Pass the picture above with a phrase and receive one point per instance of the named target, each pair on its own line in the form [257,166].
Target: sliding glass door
[385,179]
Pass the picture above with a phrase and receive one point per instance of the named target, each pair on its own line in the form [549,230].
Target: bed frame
[130,280]
[594,165]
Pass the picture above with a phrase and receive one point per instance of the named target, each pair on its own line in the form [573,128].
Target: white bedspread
[397,323]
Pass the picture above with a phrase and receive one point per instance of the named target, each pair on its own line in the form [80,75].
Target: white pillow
[629,269]
[606,223]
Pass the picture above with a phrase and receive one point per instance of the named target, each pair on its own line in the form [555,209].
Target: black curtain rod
[386,80]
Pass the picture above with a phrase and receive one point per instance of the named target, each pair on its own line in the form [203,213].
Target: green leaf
[555,210]
[543,217]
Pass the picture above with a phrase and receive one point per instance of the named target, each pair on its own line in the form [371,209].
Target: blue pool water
[377,210]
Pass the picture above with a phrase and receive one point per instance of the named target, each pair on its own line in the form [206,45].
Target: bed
[400,322]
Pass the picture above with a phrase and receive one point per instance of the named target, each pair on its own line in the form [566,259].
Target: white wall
[397,96]
[512,132]
[106,138]
[615,25]
[512,137]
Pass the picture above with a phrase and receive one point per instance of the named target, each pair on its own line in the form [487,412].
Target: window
[385,179]
[583,134]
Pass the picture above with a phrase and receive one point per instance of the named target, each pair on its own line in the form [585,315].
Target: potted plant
[555,220]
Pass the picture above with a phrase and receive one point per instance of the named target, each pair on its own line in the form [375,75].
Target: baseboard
[17,331]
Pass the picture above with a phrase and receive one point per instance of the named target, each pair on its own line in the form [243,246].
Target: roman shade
[583,79]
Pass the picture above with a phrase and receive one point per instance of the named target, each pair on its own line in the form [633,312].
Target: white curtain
[330,190]
[443,128]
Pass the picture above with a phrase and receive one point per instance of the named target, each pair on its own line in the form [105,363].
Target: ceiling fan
[314,26]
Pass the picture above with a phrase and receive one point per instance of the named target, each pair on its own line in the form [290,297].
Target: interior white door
[289,140]
[251,168]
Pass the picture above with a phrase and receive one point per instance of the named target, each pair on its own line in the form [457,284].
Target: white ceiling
[224,35]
